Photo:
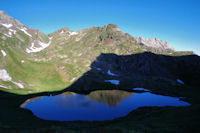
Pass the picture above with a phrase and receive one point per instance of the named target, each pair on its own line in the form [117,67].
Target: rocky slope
[155,44]
[31,61]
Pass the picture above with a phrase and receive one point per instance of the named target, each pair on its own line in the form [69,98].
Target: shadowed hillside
[155,72]
[146,70]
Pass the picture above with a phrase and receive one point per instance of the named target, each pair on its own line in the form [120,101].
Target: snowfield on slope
[72,33]
[6,77]
[34,49]
[24,30]
[7,25]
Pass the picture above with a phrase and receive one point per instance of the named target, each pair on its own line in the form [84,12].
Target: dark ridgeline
[145,70]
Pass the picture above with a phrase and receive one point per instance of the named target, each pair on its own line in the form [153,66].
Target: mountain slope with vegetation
[31,61]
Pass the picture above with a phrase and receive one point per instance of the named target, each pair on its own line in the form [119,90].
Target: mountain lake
[96,106]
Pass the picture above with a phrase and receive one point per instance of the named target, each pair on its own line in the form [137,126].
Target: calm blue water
[98,105]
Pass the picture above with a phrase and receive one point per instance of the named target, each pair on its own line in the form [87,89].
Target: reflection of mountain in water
[71,99]
[30,100]
[110,97]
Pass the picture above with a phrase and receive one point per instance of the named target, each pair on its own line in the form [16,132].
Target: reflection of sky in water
[80,107]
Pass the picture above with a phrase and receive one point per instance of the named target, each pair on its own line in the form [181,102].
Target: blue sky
[175,21]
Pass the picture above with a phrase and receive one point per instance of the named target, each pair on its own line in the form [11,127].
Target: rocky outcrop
[155,43]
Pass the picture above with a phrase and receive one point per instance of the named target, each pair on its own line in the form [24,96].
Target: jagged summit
[154,43]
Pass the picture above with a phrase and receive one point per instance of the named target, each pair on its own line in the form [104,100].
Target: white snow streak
[7,25]
[18,84]
[179,81]
[71,33]
[34,49]
[115,82]
[3,52]
[24,30]
[6,77]
[7,35]
[110,73]
[4,87]
[140,89]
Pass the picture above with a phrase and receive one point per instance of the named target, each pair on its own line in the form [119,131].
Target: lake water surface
[98,105]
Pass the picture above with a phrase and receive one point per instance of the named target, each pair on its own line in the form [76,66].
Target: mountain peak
[64,29]
[4,16]
[5,19]
[113,27]
[2,13]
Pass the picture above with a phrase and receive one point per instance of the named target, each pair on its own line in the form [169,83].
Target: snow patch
[179,81]
[115,82]
[3,52]
[99,69]
[7,35]
[34,49]
[140,89]
[110,73]
[4,87]
[71,33]
[24,30]
[7,25]
[18,84]
[13,31]
[10,33]
[4,75]
[72,79]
